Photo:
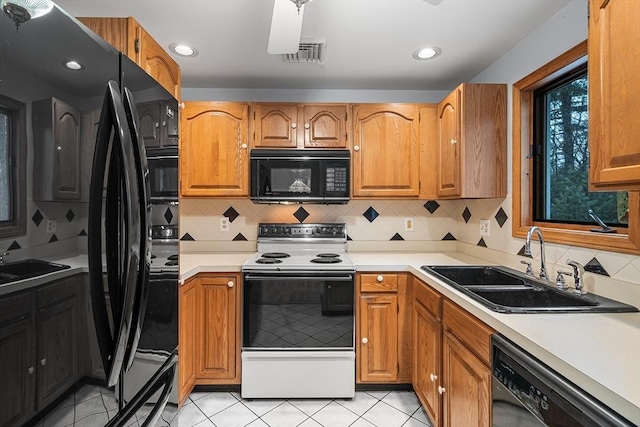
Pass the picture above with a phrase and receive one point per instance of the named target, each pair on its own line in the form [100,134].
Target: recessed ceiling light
[73,65]
[427,52]
[183,49]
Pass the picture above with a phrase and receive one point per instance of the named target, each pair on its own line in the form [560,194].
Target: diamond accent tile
[397,237]
[53,238]
[371,214]
[187,237]
[501,217]
[431,206]
[521,252]
[37,218]
[14,246]
[594,266]
[70,215]
[482,243]
[82,232]
[232,214]
[239,237]
[449,236]
[301,214]
[349,238]
[168,215]
[466,215]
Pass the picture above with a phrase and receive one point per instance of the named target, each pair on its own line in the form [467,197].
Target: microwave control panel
[336,179]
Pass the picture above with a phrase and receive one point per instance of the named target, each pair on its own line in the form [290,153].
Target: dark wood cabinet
[158,124]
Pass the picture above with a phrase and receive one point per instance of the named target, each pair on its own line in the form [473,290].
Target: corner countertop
[598,352]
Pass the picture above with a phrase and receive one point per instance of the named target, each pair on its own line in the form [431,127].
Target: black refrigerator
[85,157]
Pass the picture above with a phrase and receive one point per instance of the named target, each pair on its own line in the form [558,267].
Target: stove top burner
[153,256]
[326,260]
[328,255]
[171,262]
[268,261]
[272,255]
[173,257]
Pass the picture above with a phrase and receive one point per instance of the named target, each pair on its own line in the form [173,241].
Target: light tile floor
[94,406]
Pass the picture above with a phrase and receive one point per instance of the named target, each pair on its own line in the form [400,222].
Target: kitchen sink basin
[19,270]
[505,290]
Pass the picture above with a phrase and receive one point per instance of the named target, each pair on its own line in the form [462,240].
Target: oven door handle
[271,277]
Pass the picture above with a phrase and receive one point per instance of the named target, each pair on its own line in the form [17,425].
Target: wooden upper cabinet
[386,150]
[472,128]
[213,149]
[129,37]
[300,125]
[614,66]
[429,145]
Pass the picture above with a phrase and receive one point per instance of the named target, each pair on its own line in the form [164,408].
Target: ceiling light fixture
[183,49]
[300,3]
[20,11]
[427,52]
[73,65]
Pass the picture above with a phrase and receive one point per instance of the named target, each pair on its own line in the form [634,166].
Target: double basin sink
[505,290]
[20,270]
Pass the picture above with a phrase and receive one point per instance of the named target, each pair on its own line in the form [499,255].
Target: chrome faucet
[2,255]
[527,250]
[578,271]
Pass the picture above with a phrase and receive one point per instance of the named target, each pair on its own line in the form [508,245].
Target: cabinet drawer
[475,334]
[57,291]
[378,283]
[15,306]
[429,298]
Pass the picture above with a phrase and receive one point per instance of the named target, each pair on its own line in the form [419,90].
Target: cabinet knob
[293,125]
[59,148]
[230,284]
[182,105]
[31,370]
[157,124]
[306,126]
[380,278]
[43,361]
[441,389]
[356,148]
[433,378]
[365,340]
[244,146]
[164,124]
[454,141]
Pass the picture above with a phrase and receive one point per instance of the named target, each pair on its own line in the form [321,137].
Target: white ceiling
[369,42]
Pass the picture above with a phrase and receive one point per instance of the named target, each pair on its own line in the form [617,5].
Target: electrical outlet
[485,227]
[51,226]
[224,223]
[408,224]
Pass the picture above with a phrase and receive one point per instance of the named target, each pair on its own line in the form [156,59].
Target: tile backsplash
[379,221]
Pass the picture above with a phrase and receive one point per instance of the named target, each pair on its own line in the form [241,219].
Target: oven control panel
[297,231]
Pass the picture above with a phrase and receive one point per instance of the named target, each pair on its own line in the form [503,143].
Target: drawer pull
[380,278]
[230,284]
[433,378]
[365,340]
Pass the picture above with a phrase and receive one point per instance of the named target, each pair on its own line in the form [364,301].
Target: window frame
[18,161]
[626,240]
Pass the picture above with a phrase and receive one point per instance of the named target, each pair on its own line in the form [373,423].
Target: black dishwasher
[527,393]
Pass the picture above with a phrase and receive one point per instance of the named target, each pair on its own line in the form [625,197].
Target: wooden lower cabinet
[187,319]
[217,329]
[383,328]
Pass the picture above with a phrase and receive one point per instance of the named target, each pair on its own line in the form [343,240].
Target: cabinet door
[275,125]
[466,381]
[378,347]
[188,312]
[213,155]
[614,66]
[149,116]
[17,359]
[157,63]
[325,126]
[385,157]
[427,360]
[217,343]
[66,134]
[57,364]
[449,147]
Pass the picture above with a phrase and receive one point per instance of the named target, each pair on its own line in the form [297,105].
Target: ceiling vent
[309,52]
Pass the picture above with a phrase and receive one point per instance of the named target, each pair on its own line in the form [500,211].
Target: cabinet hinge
[137,46]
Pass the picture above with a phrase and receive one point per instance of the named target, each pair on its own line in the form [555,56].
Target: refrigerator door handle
[114,349]
[163,379]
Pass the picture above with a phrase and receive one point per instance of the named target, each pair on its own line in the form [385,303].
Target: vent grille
[308,53]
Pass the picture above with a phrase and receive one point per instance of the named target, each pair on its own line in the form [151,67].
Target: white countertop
[598,352]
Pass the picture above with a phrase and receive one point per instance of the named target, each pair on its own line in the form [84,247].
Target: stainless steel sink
[505,290]
[19,270]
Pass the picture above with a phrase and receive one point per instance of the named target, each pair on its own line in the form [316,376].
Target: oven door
[298,311]
[163,174]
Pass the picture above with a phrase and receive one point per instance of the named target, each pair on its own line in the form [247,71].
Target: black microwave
[300,176]
[163,174]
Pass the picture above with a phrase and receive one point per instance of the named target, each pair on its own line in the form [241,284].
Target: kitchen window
[551,160]
[12,167]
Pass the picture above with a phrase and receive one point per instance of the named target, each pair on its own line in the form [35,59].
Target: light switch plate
[485,227]
[224,223]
